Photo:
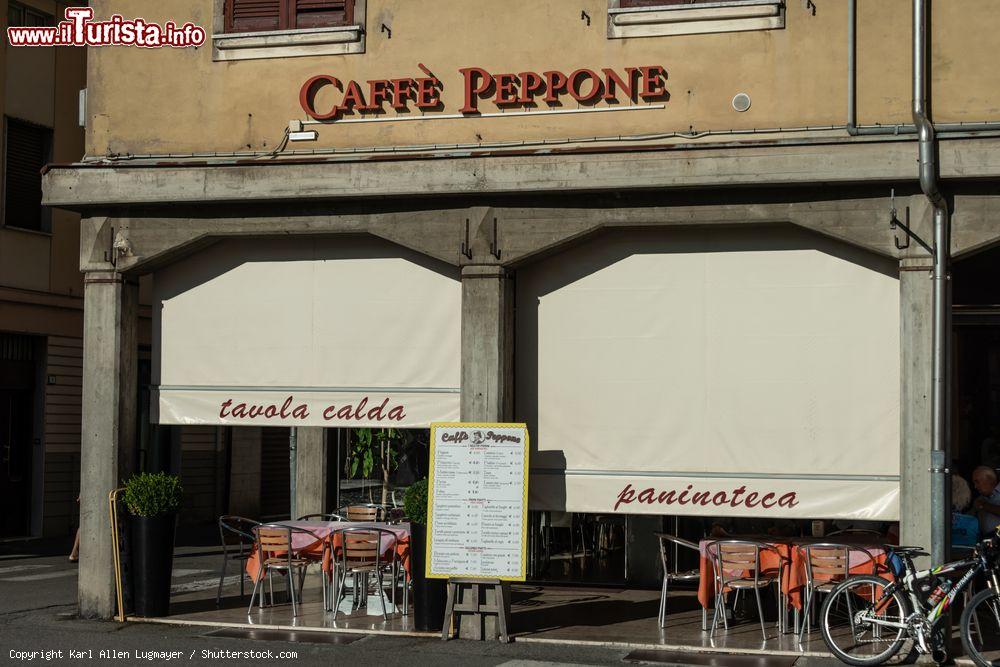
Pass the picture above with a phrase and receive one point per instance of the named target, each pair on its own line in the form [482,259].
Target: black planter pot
[429,595]
[152,562]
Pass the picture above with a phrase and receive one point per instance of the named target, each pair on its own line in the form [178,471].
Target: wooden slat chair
[672,575]
[360,554]
[367,512]
[318,557]
[236,534]
[737,567]
[826,564]
[276,552]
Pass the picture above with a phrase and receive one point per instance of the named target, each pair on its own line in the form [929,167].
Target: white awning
[307,332]
[722,372]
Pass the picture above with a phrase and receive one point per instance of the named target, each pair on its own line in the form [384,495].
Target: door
[275,475]
[15,461]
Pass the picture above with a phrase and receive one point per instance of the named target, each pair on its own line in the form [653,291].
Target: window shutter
[323,13]
[27,151]
[253,15]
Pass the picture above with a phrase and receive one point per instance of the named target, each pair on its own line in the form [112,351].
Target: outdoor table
[791,563]
[306,545]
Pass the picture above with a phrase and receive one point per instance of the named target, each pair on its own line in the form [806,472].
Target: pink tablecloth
[787,557]
[313,544]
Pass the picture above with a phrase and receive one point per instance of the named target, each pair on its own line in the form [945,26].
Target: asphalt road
[38,626]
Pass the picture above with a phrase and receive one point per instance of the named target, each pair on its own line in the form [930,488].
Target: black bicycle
[866,619]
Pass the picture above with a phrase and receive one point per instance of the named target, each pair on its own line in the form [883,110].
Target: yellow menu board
[478,501]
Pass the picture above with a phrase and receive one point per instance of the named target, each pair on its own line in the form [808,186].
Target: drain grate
[708,659]
[286,636]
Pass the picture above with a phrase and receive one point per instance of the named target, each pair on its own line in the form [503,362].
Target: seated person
[987,505]
[964,527]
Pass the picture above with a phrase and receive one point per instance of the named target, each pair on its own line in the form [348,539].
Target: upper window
[653,18]
[27,148]
[657,3]
[248,29]
[259,15]
[20,15]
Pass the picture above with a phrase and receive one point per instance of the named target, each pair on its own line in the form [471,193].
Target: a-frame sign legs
[479,608]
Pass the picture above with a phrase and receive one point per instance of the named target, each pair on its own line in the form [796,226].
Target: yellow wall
[162,100]
[41,86]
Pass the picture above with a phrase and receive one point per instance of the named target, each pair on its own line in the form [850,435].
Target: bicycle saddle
[907,551]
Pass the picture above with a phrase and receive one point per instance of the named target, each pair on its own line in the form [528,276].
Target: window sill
[339,40]
[709,17]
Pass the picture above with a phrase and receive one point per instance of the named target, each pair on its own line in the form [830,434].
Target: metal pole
[941,299]
[293,438]
[852,66]
[336,481]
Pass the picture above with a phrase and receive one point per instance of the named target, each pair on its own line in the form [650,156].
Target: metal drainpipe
[941,305]
[852,67]
[293,440]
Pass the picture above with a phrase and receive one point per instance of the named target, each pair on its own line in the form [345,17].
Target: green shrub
[415,502]
[153,494]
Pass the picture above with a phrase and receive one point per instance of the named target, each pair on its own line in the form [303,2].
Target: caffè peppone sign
[528,89]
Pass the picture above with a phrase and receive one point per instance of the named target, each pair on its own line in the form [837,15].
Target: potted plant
[376,448]
[152,500]
[429,595]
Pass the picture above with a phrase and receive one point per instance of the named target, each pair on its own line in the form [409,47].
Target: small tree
[376,445]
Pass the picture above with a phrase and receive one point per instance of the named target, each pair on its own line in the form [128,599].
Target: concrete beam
[975,223]
[110,378]
[858,160]
[860,221]
[487,344]
[522,232]
[157,240]
[310,471]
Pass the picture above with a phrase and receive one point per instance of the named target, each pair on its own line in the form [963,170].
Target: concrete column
[310,471]
[244,471]
[915,410]
[487,372]
[108,437]
[487,344]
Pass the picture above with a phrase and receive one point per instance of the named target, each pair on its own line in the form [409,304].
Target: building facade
[41,289]
[668,236]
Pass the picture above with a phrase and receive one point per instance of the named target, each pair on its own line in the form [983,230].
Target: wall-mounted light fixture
[297,133]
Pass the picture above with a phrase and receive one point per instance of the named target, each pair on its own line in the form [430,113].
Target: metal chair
[737,567]
[276,551]
[360,555]
[605,528]
[395,514]
[321,517]
[241,528]
[862,532]
[826,565]
[366,512]
[675,576]
[573,525]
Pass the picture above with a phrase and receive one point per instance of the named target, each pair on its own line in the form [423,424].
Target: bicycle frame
[975,564]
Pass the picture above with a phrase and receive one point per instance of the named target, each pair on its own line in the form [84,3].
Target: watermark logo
[79,29]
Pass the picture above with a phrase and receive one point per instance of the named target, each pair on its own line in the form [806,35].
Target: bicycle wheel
[846,621]
[981,628]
